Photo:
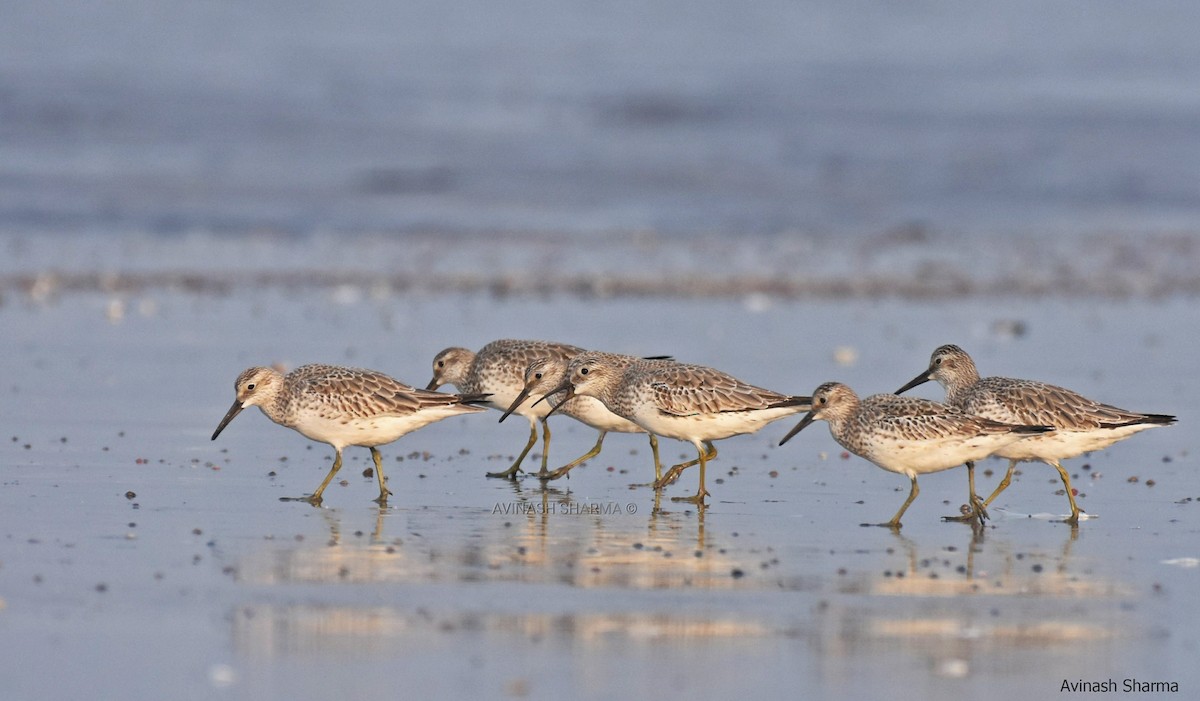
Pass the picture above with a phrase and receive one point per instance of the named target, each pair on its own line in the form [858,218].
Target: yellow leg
[545,449]
[511,472]
[974,511]
[676,470]
[1073,519]
[894,524]
[577,461]
[1012,466]
[657,462]
[315,497]
[384,492]
[698,497]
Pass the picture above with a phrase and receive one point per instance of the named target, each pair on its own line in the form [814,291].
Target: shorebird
[1081,424]
[545,374]
[690,403]
[498,369]
[907,435]
[342,407]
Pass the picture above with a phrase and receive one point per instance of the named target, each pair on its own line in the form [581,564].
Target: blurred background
[791,191]
[562,118]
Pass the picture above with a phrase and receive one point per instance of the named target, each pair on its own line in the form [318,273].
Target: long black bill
[568,391]
[556,407]
[808,418]
[433,384]
[233,411]
[516,403]
[918,380]
[564,386]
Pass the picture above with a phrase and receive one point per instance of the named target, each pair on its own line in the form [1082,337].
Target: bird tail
[1154,419]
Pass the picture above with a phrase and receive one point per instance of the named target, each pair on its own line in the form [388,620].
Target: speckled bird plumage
[1082,425]
[545,374]
[548,374]
[498,369]
[693,403]
[910,436]
[678,400]
[343,407]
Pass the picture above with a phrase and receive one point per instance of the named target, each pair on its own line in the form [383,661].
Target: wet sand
[138,557]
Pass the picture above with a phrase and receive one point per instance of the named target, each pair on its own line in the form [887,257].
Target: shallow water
[203,581]
[793,193]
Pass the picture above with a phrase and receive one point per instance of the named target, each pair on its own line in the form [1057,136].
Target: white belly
[373,431]
[1062,444]
[910,458]
[708,427]
[592,412]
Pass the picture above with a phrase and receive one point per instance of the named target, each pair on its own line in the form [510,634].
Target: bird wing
[366,393]
[689,390]
[923,419]
[1032,402]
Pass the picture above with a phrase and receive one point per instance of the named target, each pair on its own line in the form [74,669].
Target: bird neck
[957,386]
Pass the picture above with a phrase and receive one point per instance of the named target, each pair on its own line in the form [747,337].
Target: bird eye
[250,387]
[823,400]
[537,375]
[583,371]
[441,363]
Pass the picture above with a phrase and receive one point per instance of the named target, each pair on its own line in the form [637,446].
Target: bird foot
[697,499]
[312,499]
[669,478]
[555,474]
[977,514]
[510,473]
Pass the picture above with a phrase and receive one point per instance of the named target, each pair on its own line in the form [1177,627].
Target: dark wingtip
[1152,419]
[1032,430]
